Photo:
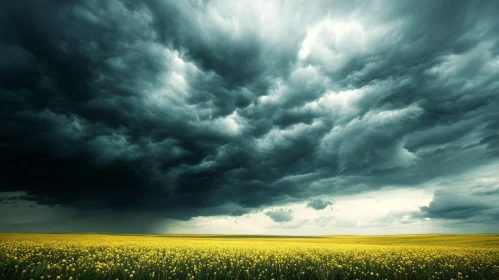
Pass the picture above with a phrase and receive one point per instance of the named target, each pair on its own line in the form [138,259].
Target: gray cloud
[319,204]
[455,206]
[488,193]
[280,215]
[185,109]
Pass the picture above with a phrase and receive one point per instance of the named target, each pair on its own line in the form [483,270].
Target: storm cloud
[319,204]
[181,109]
[280,215]
[448,205]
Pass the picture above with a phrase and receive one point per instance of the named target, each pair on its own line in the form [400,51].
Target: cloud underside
[447,205]
[184,109]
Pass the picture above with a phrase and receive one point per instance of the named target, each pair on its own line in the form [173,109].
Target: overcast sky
[292,117]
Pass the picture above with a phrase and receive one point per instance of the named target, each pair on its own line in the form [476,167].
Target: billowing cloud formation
[448,205]
[181,109]
[319,204]
[280,215]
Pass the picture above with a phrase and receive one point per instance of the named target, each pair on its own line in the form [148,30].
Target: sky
[258,117]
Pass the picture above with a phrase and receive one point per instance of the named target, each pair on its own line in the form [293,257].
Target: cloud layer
[205,108]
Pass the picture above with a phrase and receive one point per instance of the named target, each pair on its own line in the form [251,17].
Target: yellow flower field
[92,256]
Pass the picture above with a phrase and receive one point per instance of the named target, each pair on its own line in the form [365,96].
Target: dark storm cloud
[446,205]
[319,204]
[26,216]
[488,193]
[11,197]
[184,109]
[455,206]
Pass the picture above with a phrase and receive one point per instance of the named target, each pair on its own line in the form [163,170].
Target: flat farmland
[107,256]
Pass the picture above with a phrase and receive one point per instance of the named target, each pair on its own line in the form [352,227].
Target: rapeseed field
[98,256]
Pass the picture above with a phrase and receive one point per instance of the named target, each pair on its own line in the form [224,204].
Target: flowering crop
[85,256]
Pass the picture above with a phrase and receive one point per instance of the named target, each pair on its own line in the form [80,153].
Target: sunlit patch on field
[88,256]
